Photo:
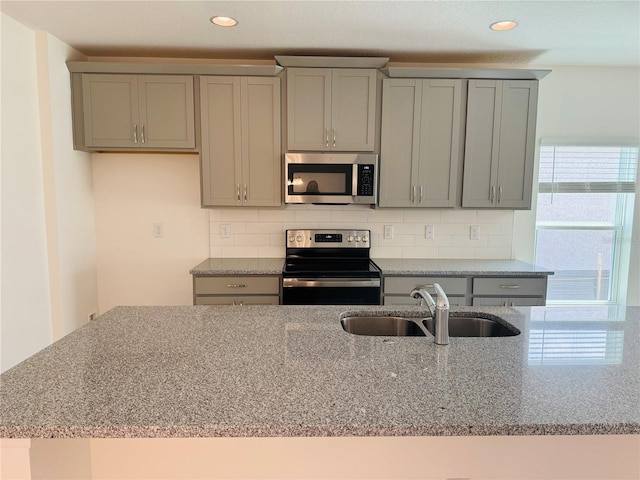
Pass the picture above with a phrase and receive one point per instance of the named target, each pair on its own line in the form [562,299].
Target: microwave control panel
[366,183]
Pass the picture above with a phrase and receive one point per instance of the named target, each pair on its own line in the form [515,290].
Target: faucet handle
[442,301]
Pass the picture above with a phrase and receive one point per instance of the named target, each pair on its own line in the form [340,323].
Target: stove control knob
[357,238]
[291,238]
[365,239]
[299,238]
[349,239]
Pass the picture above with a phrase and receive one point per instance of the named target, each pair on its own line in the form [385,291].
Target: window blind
[587,169]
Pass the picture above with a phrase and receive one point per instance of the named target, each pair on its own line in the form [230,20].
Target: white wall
[48,244]
[586,102]
[260,232]
[132,192]
[26,313]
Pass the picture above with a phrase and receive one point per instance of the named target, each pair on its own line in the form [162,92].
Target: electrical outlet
[225,230]
[158,230]
[474,232]
[430,232]
[388,232]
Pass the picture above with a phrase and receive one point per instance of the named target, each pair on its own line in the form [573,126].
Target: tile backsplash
[259,232]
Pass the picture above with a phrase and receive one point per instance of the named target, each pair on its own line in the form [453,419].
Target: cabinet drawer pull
[421,193]
[135,134]
[500,194]
[236,285]
[511,287]
[492,194]
[245,194]
[238,192]
[413,194]
[142,133]
[326,131]
[334,137]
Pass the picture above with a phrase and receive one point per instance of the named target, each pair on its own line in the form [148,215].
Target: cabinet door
[110,110]
[440,150]
[517,136]
[261,152]
[353,102]
[482,143]
[308,108]
[221,141]
[399,141]
[166,111]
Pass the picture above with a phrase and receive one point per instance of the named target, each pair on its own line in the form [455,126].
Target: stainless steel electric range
[330,267]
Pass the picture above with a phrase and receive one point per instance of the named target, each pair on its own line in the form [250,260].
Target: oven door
[331,291]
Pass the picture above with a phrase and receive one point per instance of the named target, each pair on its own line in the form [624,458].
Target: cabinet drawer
[404,285]
[407,300]
[238,300]
[237,285]
[510,286]
[508,301]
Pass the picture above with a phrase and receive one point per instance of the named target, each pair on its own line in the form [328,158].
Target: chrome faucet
[439,310]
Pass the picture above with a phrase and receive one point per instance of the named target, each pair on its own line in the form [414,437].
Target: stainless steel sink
[478,325]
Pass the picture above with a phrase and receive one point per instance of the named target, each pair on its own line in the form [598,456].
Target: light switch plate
[225,230]
[388,232]
[474,232]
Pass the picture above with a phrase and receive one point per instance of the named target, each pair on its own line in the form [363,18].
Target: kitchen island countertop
[269,371]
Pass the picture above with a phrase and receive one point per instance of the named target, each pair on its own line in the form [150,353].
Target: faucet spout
[425,299]
[439,310]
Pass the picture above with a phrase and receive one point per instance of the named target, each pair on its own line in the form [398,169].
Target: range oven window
[318,179]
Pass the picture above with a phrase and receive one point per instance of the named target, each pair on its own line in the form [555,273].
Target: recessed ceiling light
[504,25]
[224,21]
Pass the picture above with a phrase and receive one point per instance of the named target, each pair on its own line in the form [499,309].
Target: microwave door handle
[354,180]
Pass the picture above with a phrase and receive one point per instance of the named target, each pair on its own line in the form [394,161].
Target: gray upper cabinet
[499,149]
[421,142]
[331,109]
[241,147]
[153,112]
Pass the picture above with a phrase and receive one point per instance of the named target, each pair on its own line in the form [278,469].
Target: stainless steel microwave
[331,178]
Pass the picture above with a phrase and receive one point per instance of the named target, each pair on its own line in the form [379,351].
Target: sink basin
[479,325]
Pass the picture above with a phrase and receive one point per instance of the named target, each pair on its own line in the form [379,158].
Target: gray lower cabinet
[422,136]
[509,291]
[236,289]
[396,289]
[331,109]
[241,142]
[123,112]
[469,290]
[500,143]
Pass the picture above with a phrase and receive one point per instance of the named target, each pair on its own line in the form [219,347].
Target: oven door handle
[331,282]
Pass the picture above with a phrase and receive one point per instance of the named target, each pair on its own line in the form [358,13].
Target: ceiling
[586,32]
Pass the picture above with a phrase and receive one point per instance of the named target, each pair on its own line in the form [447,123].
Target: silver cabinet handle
[334,137]
[236,285]
[421,193]
[492,194]
[245,193]
[510,287]
[238,192]
[413,194]
[142,133]
[135,134]
[500,194]
[326,133]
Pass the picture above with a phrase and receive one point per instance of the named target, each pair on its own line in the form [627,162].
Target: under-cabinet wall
[260,232]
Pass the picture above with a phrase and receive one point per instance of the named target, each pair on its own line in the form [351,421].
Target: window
[584,205]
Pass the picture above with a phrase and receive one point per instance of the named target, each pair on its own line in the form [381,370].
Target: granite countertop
[217,371]
[463,267]
[389,266]
[239,266]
